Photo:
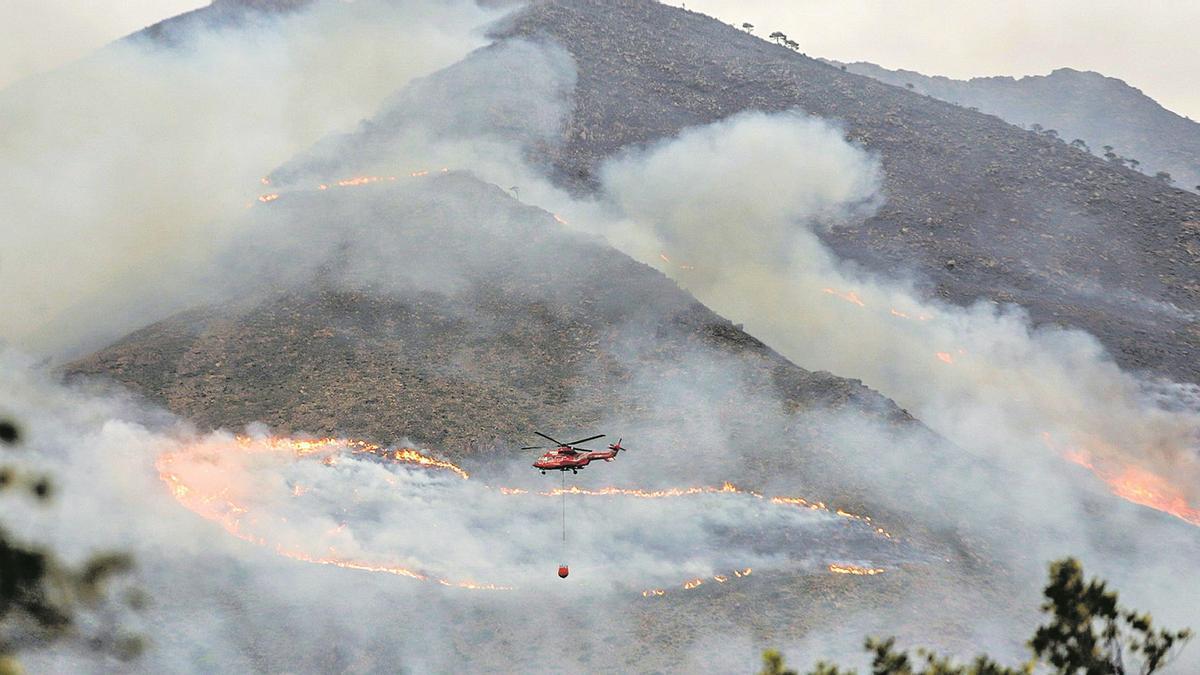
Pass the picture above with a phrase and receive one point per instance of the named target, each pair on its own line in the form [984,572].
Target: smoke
[733,212]
[736,210]
[122,171]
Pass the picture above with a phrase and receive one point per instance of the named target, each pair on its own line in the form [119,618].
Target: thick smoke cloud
[121,171]
[733,212]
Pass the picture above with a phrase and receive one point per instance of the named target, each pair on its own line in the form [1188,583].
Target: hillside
[976,208]
[1101,111]
[493,321]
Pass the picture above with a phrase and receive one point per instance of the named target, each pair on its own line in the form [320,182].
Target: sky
[1151,45]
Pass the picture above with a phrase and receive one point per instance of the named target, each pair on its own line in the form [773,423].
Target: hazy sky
[38,35]
[1152,44]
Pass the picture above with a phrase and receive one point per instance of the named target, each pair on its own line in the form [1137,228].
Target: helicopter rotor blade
[585,440]
[560,443]
[534,447]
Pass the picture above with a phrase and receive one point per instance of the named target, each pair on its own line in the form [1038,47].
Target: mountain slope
[976,208]
[1077,105]
[463,320]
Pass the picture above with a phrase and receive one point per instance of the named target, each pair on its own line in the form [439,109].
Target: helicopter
[568,457]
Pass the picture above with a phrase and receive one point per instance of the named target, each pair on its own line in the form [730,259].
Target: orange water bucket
[563,571]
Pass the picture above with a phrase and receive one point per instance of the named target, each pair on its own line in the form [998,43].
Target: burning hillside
[244,484]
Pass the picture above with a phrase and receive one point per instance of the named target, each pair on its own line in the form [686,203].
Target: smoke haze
[133,187]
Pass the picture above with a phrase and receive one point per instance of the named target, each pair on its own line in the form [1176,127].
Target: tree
[1080,144]
[40,596]
[748,27]
[1087,633]
[773,664]
[1164,177]
[778,37]
[792,45]
[1090,633]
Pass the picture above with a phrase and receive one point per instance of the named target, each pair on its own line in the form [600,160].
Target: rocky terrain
[976,208]
[1101,111]
[496,321]
[1009,215]
[441,310]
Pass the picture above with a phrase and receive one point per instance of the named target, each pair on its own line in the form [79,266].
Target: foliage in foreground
[40,596]
[1087,633]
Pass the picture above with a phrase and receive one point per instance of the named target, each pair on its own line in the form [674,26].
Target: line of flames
[856,570]
[354,181]
[229,515]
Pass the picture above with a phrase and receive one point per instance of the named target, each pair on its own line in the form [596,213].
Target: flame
[664,258]
[1131,482]
[267,198]
[1140,486]
[856,570]
[265,180]
[560,219]
[217,504]
[945,357]
[849,296]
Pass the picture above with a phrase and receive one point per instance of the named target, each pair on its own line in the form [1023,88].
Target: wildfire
[220,506]
[848,296]
[1140,486]
[945,357]
[856,570]
[363,180]
[267,198]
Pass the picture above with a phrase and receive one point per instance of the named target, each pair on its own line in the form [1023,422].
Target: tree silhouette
[748,27]
[1087,633]
[778,37]
[40,596]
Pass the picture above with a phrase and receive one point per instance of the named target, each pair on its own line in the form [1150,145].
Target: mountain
[177,29]
[453,314]
[1099,110]
[442,309]
[976,208]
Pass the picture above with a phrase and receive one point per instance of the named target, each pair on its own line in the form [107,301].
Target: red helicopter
[567,457]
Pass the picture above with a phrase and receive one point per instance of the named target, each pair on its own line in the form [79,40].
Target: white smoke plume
[121,171]
[732,211]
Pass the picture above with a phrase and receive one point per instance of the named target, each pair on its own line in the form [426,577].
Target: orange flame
[945,357]
[848,296]
[856,570]
[218,506]
[1140,486]
[267,198]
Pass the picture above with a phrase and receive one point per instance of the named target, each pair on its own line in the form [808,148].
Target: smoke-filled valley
[290,286]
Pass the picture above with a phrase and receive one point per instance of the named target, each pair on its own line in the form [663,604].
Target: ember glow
[856,570]
[1135,484]
[848,296]
[1130,482]
[206,486]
